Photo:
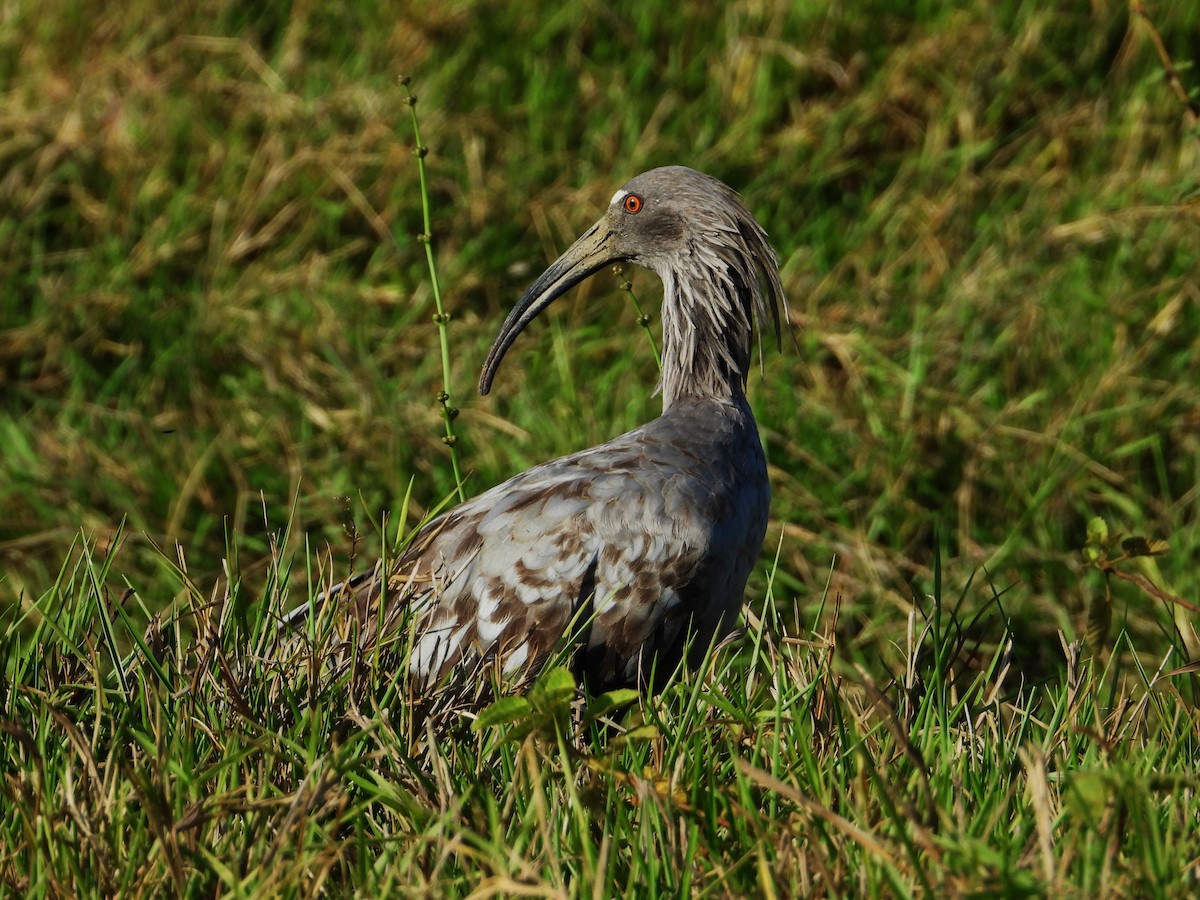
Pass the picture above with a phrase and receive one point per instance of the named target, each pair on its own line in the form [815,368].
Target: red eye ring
[632,204]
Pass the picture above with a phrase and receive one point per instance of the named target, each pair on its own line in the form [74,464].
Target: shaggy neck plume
[706,335]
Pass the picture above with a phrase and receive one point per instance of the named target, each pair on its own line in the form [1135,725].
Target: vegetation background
[217,350]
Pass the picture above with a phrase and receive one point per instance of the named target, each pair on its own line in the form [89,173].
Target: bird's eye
[633,203]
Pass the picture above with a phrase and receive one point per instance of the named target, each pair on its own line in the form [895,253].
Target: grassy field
[219,381]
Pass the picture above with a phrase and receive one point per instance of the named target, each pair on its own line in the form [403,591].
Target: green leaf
[503,711]
[1097,532]
[608,701]
[1088,793]
[641,733]
[518,732]
[554,688]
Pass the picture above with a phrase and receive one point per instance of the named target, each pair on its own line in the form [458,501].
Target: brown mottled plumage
[633,547]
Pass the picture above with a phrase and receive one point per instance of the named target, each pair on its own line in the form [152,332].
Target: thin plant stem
[440,317]
[642,318]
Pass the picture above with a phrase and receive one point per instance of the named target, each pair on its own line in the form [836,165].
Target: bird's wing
[579,545]
[604,539]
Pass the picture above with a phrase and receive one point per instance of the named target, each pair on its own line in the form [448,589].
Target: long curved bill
[588,255]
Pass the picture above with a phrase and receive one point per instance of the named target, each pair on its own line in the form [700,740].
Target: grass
[219,370]
[198,764]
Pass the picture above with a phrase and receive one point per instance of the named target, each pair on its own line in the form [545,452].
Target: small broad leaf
[519,731]
[1097,532]
[1089,792]
[555,687]
[641,733]
[503,711]
[607,702]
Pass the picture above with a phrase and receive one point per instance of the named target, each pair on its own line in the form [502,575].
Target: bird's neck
[706,336]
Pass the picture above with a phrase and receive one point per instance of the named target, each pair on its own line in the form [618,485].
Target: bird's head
[680,223]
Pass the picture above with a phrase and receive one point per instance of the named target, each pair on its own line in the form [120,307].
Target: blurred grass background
[212,299]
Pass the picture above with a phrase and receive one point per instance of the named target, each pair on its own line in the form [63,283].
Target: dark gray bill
[588,255]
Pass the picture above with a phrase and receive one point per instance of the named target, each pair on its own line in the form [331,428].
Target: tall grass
[194,763]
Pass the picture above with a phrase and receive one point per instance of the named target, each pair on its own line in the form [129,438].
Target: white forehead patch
[618,197]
